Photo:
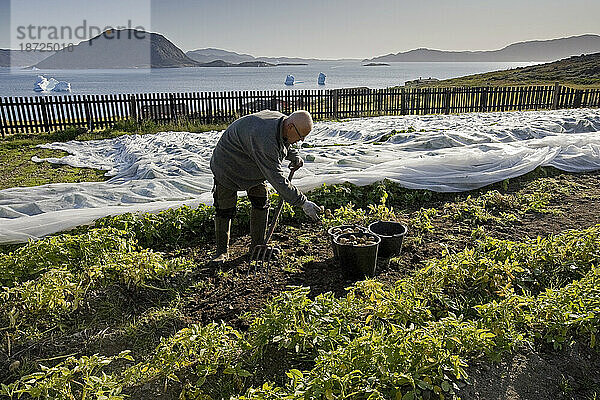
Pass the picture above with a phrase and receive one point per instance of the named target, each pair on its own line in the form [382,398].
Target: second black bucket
[357,260]
[391,234]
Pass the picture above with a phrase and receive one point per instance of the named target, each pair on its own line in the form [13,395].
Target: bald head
[302,121]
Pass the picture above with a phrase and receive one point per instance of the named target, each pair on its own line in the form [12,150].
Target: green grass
[578,72]
[19,171]
[17,150]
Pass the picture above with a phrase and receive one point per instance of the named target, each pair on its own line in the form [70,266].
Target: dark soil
[239,287]
[571,373]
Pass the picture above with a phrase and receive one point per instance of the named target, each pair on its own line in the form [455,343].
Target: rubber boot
[222,227]
[258,226]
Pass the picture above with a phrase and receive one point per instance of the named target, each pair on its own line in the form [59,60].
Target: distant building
[421,82]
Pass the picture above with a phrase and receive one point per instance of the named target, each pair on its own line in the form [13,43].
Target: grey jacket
[251,150]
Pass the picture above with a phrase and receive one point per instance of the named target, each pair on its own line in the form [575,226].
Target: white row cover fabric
[452,153]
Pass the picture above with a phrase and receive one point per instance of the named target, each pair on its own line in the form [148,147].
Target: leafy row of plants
[407,341]
[183,226]
[499,208]
[169,228]
[45,281]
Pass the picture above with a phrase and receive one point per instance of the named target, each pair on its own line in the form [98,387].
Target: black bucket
[357,261]
[391,234]
[332,234]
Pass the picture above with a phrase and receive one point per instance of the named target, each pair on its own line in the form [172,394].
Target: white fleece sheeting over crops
[446,153]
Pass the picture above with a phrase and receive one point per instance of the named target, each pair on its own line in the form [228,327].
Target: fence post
[88,113]
[172,111]
[556,96]
[447,101]
[335,103]
[578,98]
[2,127]
[45,114]
[133,108]
[483,100]
[273,103]
[402,102]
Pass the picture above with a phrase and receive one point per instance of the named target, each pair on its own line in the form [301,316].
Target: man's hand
[312,210]
[296,164]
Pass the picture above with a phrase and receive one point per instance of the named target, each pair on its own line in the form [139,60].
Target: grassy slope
[578,71]
[19,171]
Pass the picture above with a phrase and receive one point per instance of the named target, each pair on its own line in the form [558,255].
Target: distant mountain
[19,58]
[576,70]
[126,48]
[536,50]
[290,60]
[210,54]
[221,63]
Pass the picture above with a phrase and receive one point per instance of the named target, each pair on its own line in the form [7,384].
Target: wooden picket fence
[51,113]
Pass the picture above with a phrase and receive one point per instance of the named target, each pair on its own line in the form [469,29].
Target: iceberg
[44,84]
[41,84]
[322,77]
[62,87]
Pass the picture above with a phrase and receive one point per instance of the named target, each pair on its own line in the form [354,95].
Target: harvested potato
[358,239]
[339,230]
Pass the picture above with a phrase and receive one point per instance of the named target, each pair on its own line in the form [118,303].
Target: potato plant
[57,273]
[408,340]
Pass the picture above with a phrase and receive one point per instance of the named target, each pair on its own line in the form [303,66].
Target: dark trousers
[225,199]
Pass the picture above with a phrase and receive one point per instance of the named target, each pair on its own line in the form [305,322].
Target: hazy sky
[340,29]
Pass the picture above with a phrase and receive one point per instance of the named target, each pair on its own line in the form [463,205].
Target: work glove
[312,210]
[296,164]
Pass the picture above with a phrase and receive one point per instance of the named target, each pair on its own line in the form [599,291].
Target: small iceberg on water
[321,79]
[290,80]
[44,84]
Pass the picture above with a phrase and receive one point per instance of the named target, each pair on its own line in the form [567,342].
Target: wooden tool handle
[278,211]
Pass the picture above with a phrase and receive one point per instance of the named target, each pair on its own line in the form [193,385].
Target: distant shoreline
[289,64]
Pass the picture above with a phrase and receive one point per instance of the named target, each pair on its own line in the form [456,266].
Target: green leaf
[243,373]
[445,386]
[408,396]
[297,373]
[329,394]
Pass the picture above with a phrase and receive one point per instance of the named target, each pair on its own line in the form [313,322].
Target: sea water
[340,74]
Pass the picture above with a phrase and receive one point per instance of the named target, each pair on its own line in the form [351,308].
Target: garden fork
[263,253]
